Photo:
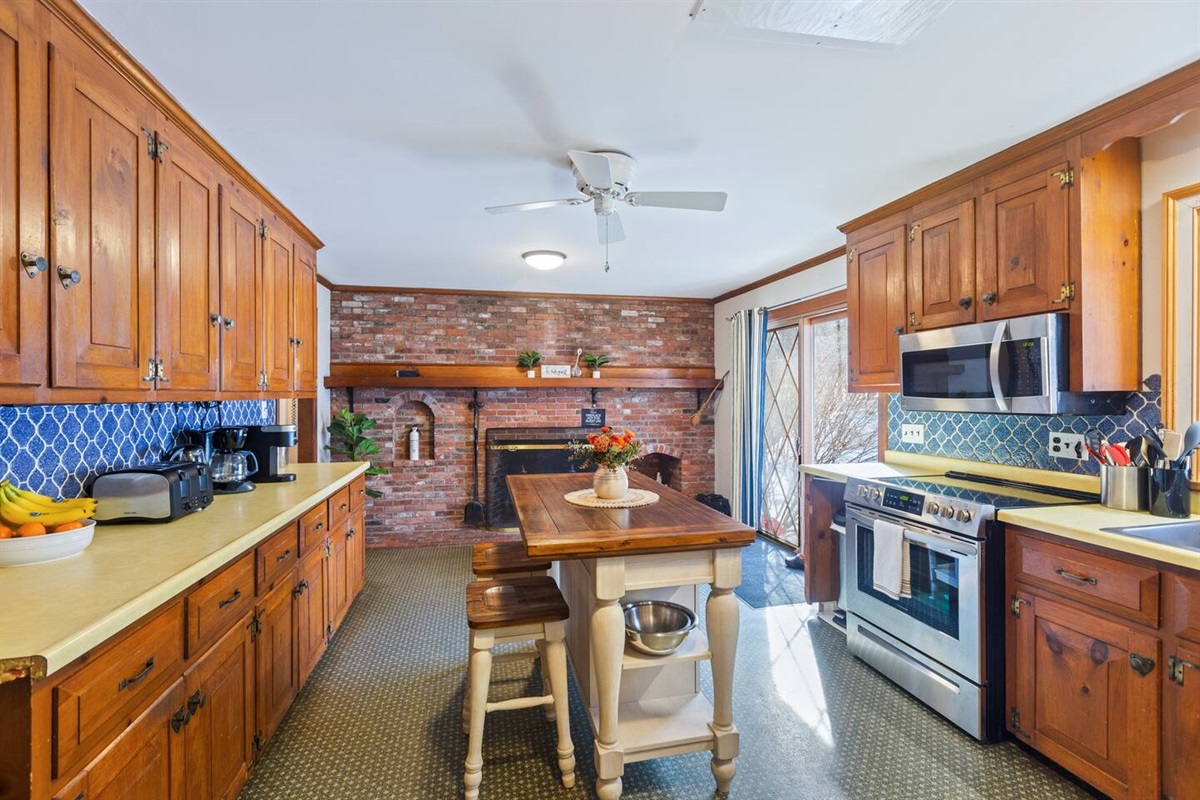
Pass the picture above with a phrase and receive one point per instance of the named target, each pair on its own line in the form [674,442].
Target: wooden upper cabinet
[23,184]
[1024,234]
[277,307]
[188,269]
[102,231]
[941,267]
[304,344]
[241,277]
[876,300]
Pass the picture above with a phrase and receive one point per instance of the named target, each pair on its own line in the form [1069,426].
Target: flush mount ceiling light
[544,259]
[845,23]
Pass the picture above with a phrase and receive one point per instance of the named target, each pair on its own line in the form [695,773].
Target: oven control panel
[939,510]
[903,500]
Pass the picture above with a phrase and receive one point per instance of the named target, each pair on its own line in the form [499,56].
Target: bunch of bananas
[20,506]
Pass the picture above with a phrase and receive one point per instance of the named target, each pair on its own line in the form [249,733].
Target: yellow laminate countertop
[50,614]
[1084,524]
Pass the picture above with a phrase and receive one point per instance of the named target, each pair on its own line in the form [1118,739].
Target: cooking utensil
[1118,455]
[657,627]
[1095,443]
[1135,447]
[473,512]
[1172,443]
[1191,440]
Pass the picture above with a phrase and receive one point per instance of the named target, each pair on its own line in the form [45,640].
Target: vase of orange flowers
[611,451]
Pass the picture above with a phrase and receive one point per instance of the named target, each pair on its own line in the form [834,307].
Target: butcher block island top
[556,529]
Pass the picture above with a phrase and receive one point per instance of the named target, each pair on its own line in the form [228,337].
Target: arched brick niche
[664,463]
[418,409]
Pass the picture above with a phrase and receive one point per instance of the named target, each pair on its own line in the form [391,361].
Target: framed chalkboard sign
[591,417]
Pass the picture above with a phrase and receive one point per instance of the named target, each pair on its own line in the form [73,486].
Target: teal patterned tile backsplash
[56,450]
[1019,439]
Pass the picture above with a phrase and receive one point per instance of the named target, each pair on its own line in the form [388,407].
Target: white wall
[323,326]
[820,279]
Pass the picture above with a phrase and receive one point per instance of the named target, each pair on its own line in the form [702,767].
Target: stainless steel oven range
[945,642]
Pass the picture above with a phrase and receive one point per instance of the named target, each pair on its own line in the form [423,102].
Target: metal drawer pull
[231,599]
[229,324]
[318,526]
[283,555]
[1072,576]
[342,506]
[127,682]
[1141,665]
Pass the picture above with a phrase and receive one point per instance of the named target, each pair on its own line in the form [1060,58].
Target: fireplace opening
[540,451]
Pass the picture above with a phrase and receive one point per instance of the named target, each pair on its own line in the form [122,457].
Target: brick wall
[423,500]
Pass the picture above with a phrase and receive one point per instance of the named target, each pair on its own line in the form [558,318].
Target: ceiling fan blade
[609,228]
[572,201]
[696,201]
[595,169]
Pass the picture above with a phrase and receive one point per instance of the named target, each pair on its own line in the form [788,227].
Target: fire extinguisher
[414,444]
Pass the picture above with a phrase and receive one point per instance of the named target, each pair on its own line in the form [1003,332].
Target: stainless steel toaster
[159,492]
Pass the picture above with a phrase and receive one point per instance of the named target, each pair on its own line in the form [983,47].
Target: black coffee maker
[270,444]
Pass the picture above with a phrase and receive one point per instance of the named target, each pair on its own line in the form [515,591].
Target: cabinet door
[23,186]
[102,204]
[312,610]
[1181,722]
[1075,694]
[188,271]
[304,334]
[356,556]
[339,576]
[241,275]
[875,296]
[277,307]
[1023,262]
[219,733]
[146,761]
[941,267]
[275,658]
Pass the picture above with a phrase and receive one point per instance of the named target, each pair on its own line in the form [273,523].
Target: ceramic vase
[610,483]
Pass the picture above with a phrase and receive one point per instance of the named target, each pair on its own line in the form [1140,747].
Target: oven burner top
[953,489]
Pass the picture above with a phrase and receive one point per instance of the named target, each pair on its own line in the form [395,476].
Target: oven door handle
[939,545]
[994,365]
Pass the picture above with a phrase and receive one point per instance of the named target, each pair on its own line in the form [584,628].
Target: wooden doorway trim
[1185,197]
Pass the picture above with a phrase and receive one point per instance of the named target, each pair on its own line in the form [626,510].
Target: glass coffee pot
[231,470]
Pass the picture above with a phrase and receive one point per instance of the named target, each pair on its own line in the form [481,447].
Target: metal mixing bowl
[656,627]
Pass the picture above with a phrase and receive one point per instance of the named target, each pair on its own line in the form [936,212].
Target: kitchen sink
[1178,534]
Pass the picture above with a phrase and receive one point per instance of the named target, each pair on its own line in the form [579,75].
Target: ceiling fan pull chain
[606,267]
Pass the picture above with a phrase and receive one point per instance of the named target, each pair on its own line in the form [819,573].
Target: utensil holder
[1125,488]
[1169,493]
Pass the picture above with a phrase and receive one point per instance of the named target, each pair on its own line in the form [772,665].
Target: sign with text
[556,371]
[591,417]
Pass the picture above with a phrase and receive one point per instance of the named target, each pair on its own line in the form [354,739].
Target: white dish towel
[890,568]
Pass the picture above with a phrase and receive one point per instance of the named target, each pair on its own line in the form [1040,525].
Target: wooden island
[642,707]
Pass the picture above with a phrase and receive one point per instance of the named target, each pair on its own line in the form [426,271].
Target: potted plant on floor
[595,361]
[348,438]
[528,361]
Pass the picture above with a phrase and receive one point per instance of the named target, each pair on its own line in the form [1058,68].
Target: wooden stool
[516,610]
[490,560]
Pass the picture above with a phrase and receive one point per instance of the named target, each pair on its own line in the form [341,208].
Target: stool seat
[503,558]
[514,601]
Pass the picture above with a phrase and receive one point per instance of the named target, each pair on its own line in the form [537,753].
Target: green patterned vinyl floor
[380,716]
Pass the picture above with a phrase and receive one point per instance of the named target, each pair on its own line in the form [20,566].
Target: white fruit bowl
[29,550]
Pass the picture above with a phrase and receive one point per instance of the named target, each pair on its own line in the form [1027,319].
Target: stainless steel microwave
[1011,366]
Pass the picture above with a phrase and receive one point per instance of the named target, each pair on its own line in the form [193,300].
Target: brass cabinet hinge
[1015,605]
[850,255]
[1066,293]
[255,625]
[262,229]
[328,550]
[912,232]
[328,630]
[257,744]
[1066,177]
[1014,722]
[1176,666]
[155,147]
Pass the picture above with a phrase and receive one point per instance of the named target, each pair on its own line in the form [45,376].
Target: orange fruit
[6,532]
[31,529]
[67,526]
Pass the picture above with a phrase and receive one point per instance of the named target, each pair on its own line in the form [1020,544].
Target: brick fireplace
[423,499]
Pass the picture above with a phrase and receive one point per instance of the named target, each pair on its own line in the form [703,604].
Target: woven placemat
[587,498]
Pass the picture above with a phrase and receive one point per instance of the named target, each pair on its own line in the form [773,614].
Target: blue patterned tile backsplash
[56,450]
[1019,439]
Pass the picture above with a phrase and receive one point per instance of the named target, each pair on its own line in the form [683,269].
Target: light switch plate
[1066,445]
[912,433]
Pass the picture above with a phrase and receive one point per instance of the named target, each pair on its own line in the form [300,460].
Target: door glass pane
[843,427]
[781,485]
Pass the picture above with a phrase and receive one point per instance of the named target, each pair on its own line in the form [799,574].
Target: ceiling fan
[603,179]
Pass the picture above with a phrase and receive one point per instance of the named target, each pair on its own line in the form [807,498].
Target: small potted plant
[528,361]
[348,438]
[595,361]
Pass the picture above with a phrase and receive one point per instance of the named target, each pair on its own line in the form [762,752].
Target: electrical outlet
[1066,445]
[912,433]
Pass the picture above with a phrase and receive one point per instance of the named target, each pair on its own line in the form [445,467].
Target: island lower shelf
[663,726]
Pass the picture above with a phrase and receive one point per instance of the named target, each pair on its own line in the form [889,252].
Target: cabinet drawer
[1129,590]
[339,507]
[276,556]
[107,692]
[314,527]
[213,607]
[358,492]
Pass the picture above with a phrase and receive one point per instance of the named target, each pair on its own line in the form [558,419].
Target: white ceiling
[388,126]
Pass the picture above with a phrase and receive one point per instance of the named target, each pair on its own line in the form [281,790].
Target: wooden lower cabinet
[220,727]
[339,584]
[275,651]
[356,555]
[1181,717]
[312,610]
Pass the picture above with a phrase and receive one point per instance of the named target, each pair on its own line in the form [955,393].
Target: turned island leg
[722,626]
[608,648]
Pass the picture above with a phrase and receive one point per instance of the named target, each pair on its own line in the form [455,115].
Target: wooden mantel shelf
[459,376]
